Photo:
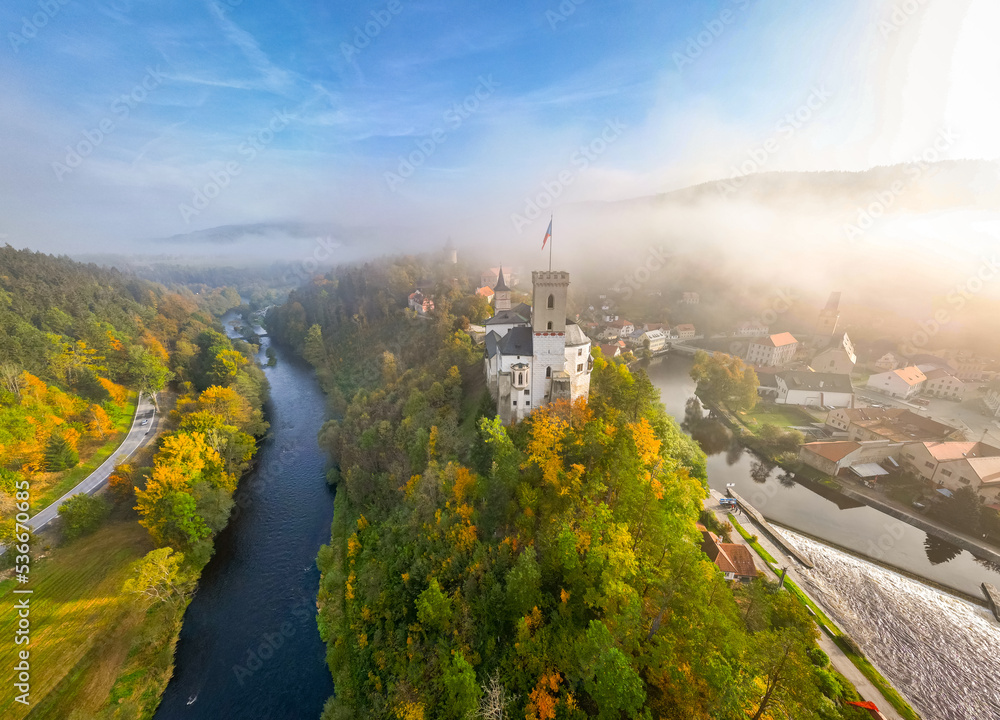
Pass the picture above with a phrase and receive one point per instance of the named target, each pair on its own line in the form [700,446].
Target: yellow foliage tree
[100,424]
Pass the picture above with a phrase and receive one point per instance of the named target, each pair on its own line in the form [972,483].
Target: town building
[839,357]
[772,351]
[888,361]
[610,350]
[655,340]
[954,465]
[895,424]
[834,457]
[903,383]
[690,298]
[992,399]
[813,389]
[420,303]
[968,367]
[486,292]
[684,331]
[534,355]
[751,328]
[942,384]
[735,561]
[618,329]
[829,316]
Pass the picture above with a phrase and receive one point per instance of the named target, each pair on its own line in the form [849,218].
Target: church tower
[550,289]
[829,316]
[501,293]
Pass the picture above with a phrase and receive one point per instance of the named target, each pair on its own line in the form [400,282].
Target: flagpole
[550,246]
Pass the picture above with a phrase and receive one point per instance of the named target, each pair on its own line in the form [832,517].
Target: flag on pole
[548,234]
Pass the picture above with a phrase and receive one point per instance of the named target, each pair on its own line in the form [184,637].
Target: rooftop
[520,313]
[778,340]
[911,375]
[835,451]
[899,425]
[516,342]
[944,451]
[803,380]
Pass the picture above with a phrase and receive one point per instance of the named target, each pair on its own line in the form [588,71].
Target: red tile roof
[835,451]
[736,559]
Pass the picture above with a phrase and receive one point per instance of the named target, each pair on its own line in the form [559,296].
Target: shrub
[82,514]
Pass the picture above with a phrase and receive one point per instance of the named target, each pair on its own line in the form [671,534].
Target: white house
[534,355]
[941,383]
[772,351]
[420,302]
[657,340]
[690,298]
[957,464]
[618,329]
[840,357]
[903,383]
[813,389]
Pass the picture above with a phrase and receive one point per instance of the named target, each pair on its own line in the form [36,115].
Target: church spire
[501,284]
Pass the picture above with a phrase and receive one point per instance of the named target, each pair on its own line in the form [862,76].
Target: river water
[250,648]
[942,652]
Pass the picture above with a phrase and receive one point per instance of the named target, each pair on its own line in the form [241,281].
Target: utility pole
[781,581]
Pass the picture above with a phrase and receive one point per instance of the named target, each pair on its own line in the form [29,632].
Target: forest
[77,343]
[550,569]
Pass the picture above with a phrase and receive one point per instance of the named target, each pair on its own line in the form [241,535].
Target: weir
[993,598]
[771,532]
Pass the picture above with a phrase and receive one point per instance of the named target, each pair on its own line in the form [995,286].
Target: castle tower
[550,289]
[501,293]
[548,329]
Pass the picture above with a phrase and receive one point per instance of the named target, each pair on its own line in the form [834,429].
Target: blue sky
[293,112]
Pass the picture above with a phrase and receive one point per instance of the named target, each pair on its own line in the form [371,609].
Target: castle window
[579,368]
[527,392]
[520,378]
[552,301]
[549,327]
[548,372]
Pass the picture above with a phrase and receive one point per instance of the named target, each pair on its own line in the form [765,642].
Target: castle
[534,356]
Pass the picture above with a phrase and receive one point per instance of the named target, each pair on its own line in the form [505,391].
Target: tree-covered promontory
[550,569]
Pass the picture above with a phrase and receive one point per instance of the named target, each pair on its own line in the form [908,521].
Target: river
[941,651]
[249,648]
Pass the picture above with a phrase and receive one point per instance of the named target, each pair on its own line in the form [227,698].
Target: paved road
[839,660]
[138,435]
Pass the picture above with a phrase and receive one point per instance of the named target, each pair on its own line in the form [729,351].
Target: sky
[125,121]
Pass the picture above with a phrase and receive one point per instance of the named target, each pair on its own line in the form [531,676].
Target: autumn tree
[725,380]
[100,424]
[158,578]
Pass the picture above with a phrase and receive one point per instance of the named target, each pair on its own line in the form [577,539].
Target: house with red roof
[772,350]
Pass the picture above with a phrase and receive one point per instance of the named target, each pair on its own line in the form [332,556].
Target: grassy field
[48,487]
[82,627]
[781,415]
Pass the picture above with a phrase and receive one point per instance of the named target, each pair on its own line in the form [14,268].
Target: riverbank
[867,680]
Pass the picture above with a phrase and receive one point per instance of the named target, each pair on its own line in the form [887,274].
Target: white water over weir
[941,652]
